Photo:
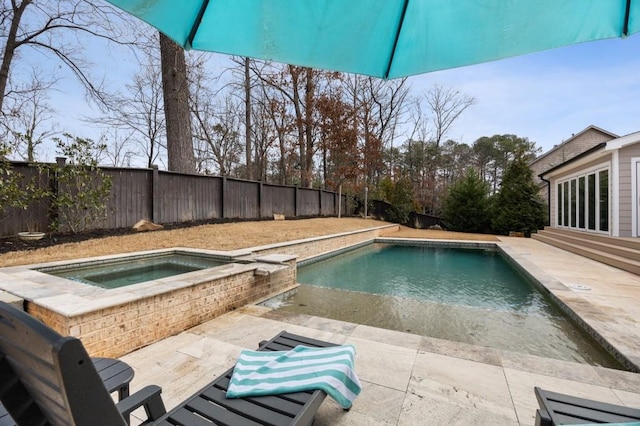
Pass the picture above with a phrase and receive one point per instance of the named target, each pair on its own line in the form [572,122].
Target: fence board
[308,202]
[130,198]
[241,199]
[184,198]
[278,200]
[329,205]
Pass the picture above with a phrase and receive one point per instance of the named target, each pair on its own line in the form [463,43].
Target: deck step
[618,247]
[632,243]
[578,247]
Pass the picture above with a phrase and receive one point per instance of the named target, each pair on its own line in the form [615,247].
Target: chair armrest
[147,397]
[542,418]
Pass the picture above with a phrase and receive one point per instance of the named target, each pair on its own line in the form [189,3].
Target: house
[575,145]
[597,190]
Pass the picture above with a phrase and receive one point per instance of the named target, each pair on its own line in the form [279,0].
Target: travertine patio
[414,380]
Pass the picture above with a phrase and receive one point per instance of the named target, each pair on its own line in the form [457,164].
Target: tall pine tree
[517,206]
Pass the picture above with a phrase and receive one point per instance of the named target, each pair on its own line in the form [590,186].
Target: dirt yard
[226,236]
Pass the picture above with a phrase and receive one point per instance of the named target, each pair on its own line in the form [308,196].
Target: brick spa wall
[118,330]
[312,247]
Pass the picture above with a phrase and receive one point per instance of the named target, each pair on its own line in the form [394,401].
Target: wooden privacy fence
[169,197]
[378,210]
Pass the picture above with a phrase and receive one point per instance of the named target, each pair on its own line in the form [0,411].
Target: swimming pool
[467,295]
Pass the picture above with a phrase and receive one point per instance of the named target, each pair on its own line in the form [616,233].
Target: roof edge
[596,148]
[592,127]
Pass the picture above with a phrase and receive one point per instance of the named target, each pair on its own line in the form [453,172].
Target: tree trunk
[176,107]
[295,74]
[307,180]
[10,48]
[247,118]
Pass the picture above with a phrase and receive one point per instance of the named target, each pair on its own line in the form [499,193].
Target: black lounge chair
[115,375]
[560,409]
[49,379]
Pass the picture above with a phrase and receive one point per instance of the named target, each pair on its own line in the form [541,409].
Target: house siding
[554,180]
[626,188]
[578,144]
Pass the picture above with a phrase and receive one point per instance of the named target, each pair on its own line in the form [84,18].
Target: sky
[549,96]
[545,96]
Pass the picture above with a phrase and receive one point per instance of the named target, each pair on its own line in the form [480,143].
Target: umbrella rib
[196,23]
[395,42]
[625,27]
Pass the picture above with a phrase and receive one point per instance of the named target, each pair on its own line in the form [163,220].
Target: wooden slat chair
[115,375]
[560,409]
[49,379]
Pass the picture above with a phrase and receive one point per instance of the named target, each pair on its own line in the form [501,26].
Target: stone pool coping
[603,300]
[554,271]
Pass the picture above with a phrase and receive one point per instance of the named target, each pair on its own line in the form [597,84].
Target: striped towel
[259,373]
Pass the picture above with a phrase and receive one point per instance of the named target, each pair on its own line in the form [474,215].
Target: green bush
[19,192]
[400,195]
[79,200]
[11,194]
[466,206]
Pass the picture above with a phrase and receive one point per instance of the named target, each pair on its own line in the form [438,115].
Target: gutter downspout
[548,198]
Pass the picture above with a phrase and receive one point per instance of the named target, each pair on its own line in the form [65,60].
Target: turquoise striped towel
[259,373]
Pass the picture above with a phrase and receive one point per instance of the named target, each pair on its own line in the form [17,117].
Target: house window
[603,178]
[581,198]
[574,210]
[583,201]
[591,197]
[559,204]
[565,204]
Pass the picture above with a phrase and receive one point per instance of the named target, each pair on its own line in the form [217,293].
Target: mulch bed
[10,244]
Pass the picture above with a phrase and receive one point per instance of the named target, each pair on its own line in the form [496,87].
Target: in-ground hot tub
[113,318]
[137,269]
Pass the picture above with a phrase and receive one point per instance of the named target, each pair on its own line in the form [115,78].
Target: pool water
[466,295]
[456,276]
[134,271]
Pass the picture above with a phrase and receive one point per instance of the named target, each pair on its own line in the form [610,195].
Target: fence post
[260,196]
[61,162]
[155,191]
[320,202]
[223,196]
[296,198]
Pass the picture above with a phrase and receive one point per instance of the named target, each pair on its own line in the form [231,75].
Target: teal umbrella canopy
[385,38]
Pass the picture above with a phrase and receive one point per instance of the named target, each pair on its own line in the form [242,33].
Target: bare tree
[424,161]
[119,151]
[217,127]
[175,89]
[216,118]
[57,29]
[447,104]
[297,85]
[264,134]
[140,111]
[28,123]
[378,107]
[275,113]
